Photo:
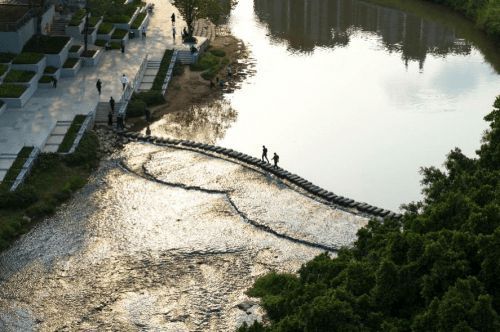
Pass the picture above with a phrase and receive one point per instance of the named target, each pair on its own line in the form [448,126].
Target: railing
[28,165]
[170,70]
[131,87]
[140,72]
[86,125]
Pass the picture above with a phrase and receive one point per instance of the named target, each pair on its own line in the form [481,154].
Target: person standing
[122,46]
[264,153]
[112,104]
[98,85]
[54,82]
[276,158]
[173,18]
[173,32]
[143,32]
[124,80]
[110,118]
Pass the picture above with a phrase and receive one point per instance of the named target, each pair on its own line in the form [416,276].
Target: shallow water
[355,96]
[163,240]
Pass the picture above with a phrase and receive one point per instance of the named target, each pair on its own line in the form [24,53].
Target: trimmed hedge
[70,136]
[93,20]
[119,34]
[46,79]
[75,48]
[162,71]
[15,169]
[138,20]
[27,58]
[6,57]
[19,76]
[70,63]
[46,44]
[50,70]
[117,18]
[12,90]
[77,17]
[105,28]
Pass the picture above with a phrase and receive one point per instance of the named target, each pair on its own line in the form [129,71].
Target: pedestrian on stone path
[173,33]
[54,82]
[110,118]
[264,153]
[276,158]
[122,46]
[112,104]
[124,80]
[173,18]
[143,32]
[98,85]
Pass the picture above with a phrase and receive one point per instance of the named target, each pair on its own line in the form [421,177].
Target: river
[355,96]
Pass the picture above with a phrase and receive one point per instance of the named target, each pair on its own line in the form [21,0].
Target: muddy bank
[161,239]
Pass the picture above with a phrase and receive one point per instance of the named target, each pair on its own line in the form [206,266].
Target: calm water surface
[354,96]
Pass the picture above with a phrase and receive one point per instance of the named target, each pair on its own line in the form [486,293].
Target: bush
[46,79]
[28,58]
[93,20]
[86,154]
[136,108]
[117,18]
[46,44]
[21,198]
[50,70]
[150,98]
[41,209]
[70,63]
[77,17]
[218,53]
[75,48]
[138,20]
[119,34]
[19,76]
[6,57]
[105,28]
[11,90]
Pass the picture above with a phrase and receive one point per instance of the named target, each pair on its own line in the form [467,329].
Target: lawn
[46,44]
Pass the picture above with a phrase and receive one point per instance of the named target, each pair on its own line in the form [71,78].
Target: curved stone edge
[277,171]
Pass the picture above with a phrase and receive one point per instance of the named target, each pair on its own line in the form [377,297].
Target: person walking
[54,82]
[110,118]
[98,85]
[264,153]
[276,158]
[122,46]
[173,32]
[143,32]
[112,104]
[173,18]
[124,80]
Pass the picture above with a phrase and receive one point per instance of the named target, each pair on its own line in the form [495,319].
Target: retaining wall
[361,207]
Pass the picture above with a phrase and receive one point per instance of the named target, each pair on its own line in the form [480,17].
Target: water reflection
[306,24]
[202,123]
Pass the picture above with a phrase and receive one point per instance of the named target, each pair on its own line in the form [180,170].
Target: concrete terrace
[32,124]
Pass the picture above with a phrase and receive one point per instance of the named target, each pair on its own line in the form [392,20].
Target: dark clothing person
[110,118]
[112,104]
[119,122]
[54,82]
[264,153]
[98,85]
[122,46]
[276,158]
[173,17]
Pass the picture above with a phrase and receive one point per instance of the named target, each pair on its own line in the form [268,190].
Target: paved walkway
[31,125]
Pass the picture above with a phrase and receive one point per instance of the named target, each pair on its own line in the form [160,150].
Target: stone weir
[217,151]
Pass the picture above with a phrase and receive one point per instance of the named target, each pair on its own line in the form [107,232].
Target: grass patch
[138,20]
[12,90]
[75,48]
[218,53]
[19,76]
[88,53]
[119,34]
[162,71]
[27,58]
[210,64]
[15,168]
[77,17]
[105,28]
[46,44]
[53,180]
[3,69]
[6,57]
[50,70]
[70,136]
[93,21]
[70,63]
[46,79]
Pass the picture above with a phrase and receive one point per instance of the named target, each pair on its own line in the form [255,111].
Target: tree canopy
[436,269]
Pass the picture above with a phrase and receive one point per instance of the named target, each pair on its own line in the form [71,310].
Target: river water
[355,96]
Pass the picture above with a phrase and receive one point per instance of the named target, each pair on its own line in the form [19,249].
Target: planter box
[106,36]
[36,67]
[75,54]
[45,85]
[125,39]
[21,101]
[126,26]
[75,31]
[89,62]
[57,74]
[71,72]
[96,26]
[33,81]
[144,23]
[57,60]
[3,108]
[92,37]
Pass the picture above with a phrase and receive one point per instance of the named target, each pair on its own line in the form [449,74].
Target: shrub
[70,63]
[28,58]
[50,70]
[136,108]
[75,48]
[218,53]
[117,18]
[12,90]
[21,198]
[19,76]
[86,154]
[138,20]
[41,209]
[69,137]
[6,57]
[105,28]
[93,20]
[46,44]
[77,17]
[46,79]
[151,98]
[119,34]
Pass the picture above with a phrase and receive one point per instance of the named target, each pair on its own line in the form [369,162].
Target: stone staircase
[102,110]
[152,67]
[56,136]
[58,27]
